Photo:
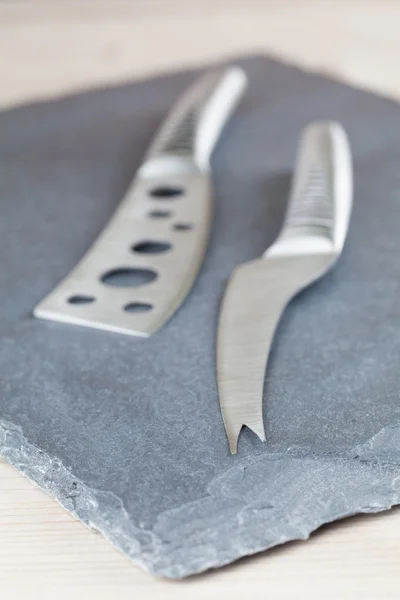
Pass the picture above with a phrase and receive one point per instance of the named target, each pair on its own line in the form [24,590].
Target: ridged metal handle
[195,124]
[320,201]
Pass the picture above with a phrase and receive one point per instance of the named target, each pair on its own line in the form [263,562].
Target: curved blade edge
[250,311]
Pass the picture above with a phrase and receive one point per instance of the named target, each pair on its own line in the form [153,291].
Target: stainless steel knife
[309,243]
[144,263]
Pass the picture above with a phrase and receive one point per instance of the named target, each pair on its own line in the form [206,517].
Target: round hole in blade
[183,227]
[151,247]
[138,307]
[128,277]
[81,299]
[166,192]
[160,214]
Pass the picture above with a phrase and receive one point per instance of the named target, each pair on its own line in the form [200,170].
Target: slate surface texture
[125,432]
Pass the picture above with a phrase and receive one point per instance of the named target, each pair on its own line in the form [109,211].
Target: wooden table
[53,48]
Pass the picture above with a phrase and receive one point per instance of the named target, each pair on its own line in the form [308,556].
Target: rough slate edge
[366,488]
[369,483]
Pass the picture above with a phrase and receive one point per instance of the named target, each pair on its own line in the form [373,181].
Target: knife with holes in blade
[143,264]
[310,241]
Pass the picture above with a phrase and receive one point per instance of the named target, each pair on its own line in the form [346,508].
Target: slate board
[125,432]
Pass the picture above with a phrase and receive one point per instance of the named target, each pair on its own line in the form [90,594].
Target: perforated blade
[311,240]
[143,264]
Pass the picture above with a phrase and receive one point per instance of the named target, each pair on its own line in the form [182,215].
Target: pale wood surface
[52,48]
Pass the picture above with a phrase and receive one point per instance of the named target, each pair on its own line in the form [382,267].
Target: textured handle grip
[194,125]
[321,195]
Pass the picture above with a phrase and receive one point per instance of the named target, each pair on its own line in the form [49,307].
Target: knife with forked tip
[311,239]
[143,264]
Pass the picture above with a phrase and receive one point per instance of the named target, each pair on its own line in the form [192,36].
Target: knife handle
[195,123]
[320,201]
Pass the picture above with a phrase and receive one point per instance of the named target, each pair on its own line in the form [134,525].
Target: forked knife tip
[233,436]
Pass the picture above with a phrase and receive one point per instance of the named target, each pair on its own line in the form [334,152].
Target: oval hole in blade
[81,299]
[151,247]
[183,227]
[166,191]
[128,277]
[138,307]
[160,214]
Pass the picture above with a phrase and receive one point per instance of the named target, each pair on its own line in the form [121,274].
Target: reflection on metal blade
[254,301]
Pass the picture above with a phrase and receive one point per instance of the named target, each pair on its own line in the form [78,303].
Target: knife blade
[143,264]
[310,241]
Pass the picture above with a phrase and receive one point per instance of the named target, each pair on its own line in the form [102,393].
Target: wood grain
[52,48]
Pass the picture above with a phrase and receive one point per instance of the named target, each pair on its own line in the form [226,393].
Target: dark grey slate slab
[126,433]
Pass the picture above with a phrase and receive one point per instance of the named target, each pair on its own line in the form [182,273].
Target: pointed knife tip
[233,437]
[233,446]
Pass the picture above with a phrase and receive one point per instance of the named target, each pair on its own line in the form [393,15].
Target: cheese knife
[143,264]
[310,242]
